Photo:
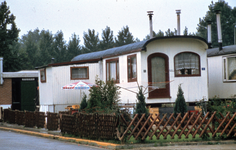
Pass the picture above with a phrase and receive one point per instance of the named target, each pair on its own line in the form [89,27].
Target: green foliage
[74,48]
[8,36]
[104,97]
[141,105]
[46,47]
[91,41]
[59,48]
[170,33]
[158,34]
[180,104]
[228,18]
[83,103]
[107,39]
[222,106]
[124,37]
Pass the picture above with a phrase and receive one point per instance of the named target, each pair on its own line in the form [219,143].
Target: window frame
[71,68]
[189,75]
[108,71]
[131,79]
[43,70]
[225,73]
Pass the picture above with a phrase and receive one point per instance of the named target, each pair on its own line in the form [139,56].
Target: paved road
[17,141]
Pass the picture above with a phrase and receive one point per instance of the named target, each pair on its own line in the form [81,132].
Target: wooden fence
[26,118]
[208,125]
[52,121]
[101,126]
[93,126]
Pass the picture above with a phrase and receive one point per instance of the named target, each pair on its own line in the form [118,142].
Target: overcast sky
[77,16]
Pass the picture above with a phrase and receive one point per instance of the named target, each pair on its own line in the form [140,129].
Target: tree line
[37,48]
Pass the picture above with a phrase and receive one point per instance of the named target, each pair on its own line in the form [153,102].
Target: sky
[77,16]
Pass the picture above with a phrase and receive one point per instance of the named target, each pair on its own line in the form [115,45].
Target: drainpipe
[1,70]
[150,13]
[209,40]
[178,21]
[219,29]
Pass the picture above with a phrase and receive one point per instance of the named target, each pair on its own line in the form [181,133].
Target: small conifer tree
[141,105]
[94,103]
[180,104]
[83,103]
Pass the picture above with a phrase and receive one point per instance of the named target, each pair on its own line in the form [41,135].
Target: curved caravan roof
[129,48]
[226,50]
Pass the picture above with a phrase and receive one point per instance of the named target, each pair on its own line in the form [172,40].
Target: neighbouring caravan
[222,72]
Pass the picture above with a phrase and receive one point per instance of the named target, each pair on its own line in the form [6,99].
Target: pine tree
[8,36]
[228,18]
[59,48]
[180,104]
[171,33]
[107,39]
[124,37]
[74,48]
[46,47]
[141,105]
[91,41]
[83,103]
[94,103]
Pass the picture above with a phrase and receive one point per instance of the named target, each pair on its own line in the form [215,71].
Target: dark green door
[28,93]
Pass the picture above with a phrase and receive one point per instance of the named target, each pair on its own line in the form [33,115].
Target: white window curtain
[187,61]
[79,73]
[158,72]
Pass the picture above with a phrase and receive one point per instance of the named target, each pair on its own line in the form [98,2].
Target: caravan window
[229,66]
[78,73]
[112,71]
[187,64]
[132,68]
[43,75]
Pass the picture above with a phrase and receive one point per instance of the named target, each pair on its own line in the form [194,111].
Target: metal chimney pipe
[178,21]
[150,13]
[52,60]
[219,29]
[1,70]
[209,40]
